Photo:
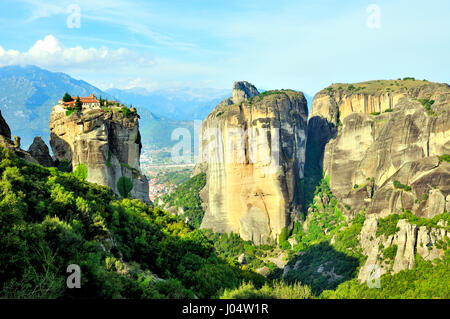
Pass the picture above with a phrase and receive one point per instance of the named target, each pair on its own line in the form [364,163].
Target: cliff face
[5,141]
[253,150]
[39,150]
[106,142]
[4,127]
[380,143]
[408,240]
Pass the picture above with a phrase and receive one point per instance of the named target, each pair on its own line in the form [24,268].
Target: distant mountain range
[28,93]
[178,103]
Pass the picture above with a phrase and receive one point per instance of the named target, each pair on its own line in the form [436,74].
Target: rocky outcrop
[4,127]
[380,143]
[107,142]
[243,91]
[253,151]
[39,150]
[5,141]
[408,240]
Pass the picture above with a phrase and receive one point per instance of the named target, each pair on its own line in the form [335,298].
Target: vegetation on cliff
[187,197]
[50,219]
[425,281]
[377,86]
[327,256]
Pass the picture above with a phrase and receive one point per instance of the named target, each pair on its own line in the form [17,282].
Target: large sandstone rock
[364,152]
[408,239]
[39,150]
[426,242]
[243,91]
[405,239]
[436,203]
[5,141]
[107,142]
[253,153]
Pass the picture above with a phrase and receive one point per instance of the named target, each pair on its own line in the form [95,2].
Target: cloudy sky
[303,45]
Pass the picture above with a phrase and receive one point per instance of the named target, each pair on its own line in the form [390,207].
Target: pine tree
[67,97]
[78,104]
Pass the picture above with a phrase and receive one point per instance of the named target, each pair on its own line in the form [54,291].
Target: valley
[287,204]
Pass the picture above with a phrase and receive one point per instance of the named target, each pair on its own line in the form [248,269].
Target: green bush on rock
[124,186]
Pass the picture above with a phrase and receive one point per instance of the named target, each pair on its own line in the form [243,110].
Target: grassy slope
[378,86]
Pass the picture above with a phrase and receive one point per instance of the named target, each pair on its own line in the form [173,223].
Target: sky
[300,45]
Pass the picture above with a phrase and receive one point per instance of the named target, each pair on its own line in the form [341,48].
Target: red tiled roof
[90,99]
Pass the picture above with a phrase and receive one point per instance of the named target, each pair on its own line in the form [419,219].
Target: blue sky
[302,45]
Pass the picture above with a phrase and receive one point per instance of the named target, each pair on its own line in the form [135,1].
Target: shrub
[399,185]
[81,171]
[427,103]
[108,160]
[124,186]
[390,252]
[276,290]
[444,158]
[70,111]
[282,238]
[63,165]
[388,226]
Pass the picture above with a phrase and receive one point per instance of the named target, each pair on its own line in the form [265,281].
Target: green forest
[50,219]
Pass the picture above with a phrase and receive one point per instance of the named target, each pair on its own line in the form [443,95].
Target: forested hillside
[50,219]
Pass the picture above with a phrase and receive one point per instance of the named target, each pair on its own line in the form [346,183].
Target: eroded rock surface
[39,150]
[408,240]
[107,142]
[380,143]
[13,145]
[253,151]
[4,127]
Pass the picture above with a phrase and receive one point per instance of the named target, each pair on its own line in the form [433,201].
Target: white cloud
[50,53]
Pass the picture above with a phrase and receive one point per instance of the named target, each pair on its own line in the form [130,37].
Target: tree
[67,97]
[78,104]
[124,185]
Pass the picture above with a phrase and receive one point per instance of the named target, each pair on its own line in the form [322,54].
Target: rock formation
[252,148]
[5,141]
[106,141]
[407,240]
[39,150]
[380,143]
[4,127]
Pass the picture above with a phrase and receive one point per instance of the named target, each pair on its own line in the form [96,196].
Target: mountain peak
[243,90]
